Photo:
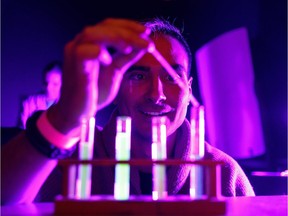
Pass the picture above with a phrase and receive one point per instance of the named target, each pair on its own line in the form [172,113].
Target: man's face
[53,84]
[147,90]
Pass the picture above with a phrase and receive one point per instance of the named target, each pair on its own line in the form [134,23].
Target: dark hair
[163,26]
[51,66]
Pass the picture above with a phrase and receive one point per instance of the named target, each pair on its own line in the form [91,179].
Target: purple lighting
[226,82]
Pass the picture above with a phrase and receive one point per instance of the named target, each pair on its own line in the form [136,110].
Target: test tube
[122,152]
[197,151]
[83,184]
[159,153]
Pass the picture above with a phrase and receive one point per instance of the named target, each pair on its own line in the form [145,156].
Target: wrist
[47,145]
[64,141]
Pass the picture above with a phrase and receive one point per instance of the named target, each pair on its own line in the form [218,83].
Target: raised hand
[92,73]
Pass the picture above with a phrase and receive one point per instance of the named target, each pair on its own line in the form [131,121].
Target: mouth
[152,114]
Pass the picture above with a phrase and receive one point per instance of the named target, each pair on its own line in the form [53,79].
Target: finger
[124,62]
[86,52]
[104,57]
[92,68]
[122,39]
[89,51]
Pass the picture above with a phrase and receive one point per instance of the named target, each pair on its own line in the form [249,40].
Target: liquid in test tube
[83,183]
[159,152]
[197,151]
[122,148]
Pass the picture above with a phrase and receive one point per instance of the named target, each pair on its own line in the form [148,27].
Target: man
[52,80]
[114,52]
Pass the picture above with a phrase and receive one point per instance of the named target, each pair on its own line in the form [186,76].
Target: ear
[190,83]
[190,88]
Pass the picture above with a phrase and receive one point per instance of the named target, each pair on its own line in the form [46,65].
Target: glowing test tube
[159,153]
[83,187]
[197,151]
[122,147]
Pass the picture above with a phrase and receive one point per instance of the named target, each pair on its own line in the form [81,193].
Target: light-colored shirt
[32,104]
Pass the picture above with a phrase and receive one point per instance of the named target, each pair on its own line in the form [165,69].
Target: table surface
[244,206]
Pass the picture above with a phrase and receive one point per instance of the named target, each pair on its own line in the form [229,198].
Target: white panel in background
[226,81]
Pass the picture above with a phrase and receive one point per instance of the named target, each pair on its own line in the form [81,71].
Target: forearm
[24,170]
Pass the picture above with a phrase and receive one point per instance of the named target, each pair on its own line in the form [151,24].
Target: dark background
[35,32]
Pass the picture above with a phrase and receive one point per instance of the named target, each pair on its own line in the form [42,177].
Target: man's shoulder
[213,153]
[234,180]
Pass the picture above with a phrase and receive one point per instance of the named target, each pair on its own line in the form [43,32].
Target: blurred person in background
[52,81]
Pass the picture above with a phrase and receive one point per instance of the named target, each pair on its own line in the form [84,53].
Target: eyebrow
[177,67]
[140,68]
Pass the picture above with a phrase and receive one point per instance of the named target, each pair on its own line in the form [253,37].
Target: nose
[156,92]
[48,87]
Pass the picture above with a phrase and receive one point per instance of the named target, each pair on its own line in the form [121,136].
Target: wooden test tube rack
[211,204]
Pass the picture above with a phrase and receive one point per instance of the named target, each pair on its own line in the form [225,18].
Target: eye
[179,71]
[137,76]
[172,79]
